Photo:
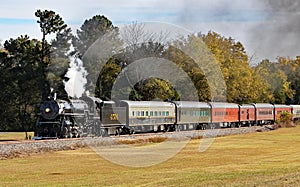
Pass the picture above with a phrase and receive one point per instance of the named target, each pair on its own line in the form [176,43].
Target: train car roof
[192,104]
[246,106]
[147,103]
[263,105]
[282,106]
[223,105]
[295,106]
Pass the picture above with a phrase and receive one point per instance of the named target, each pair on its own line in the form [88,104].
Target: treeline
[31,67]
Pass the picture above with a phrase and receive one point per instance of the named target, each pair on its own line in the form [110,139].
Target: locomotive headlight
[47,110]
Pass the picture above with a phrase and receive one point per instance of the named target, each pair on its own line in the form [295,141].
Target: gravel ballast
[24,148]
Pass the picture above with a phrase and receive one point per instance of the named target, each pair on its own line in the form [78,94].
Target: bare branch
[136,33]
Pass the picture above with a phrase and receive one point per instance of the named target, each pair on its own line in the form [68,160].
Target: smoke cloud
[279,35]
[267,28]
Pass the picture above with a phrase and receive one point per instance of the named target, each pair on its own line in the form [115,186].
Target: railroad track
[12,149]
[151,134]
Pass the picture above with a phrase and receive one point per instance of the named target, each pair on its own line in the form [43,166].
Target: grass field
[258,159]
[14,136]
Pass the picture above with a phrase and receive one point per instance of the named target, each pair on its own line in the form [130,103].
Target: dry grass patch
[14,136]
[143,141]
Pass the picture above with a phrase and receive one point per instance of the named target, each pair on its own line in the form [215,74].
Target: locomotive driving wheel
[66,131]
[118,131]
[75,133]
[104,132]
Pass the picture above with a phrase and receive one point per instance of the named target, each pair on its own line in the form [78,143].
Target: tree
[280,87]
[100,33]
[144,65]
[233,63]
[25,65]
[194,74]
[49,22]
[135,81]
[59,60]
[19,96]
[107,77]
[6,94]
[291,68]
[91,30]
[153,89]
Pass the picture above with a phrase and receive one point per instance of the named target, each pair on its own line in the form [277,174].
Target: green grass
[14,136]
[258,159]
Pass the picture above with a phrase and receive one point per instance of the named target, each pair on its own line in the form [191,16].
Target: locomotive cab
[107,118]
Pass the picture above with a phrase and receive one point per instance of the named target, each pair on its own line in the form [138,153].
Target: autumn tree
[233,63]
[279,85]
[192,55]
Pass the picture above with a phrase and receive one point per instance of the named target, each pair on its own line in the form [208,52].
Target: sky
[266,28]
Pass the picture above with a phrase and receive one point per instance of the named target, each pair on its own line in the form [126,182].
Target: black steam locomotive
[64,117]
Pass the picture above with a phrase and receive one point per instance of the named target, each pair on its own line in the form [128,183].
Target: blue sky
[17,17]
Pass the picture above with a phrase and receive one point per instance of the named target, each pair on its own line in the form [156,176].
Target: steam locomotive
[64,117]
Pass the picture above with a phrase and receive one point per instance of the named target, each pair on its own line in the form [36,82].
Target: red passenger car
[247,114]
[224,114]
[281,108]
[264,113]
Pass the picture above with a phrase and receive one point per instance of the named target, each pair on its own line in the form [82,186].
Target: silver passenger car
[193,114]
[296,112]
[145,116]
